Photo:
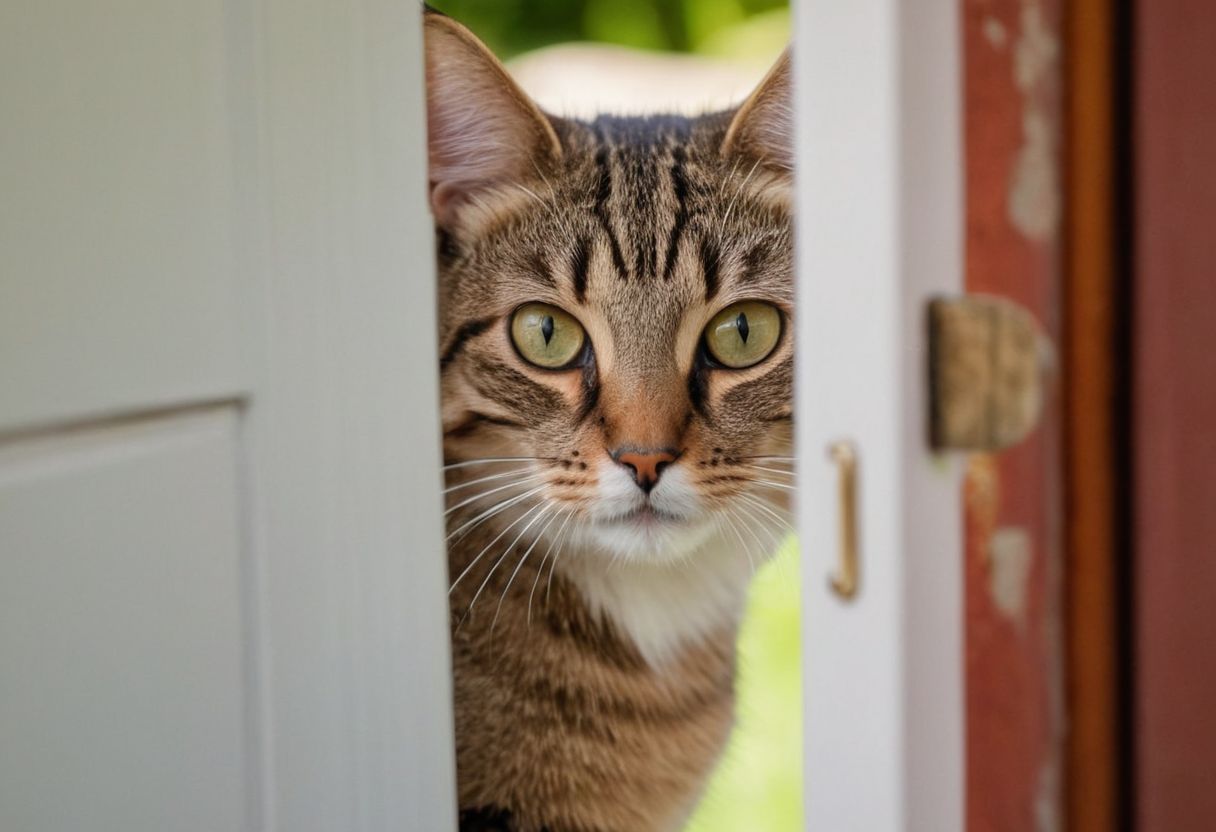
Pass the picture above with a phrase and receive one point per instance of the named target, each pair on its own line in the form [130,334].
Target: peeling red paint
[1013,664]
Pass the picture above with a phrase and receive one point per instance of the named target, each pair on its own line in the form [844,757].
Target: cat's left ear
[763,126]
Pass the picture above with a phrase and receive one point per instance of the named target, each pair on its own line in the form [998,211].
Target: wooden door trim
[1097,404]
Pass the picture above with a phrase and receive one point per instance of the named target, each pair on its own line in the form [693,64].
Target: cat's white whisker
[775,539]
[783,471]
[769,509]
[539,535]
[544,508]
[726,518]
[788,514]
[529,192]
[550,209]
[490,512]
[552,566]
[769,484]
[512,473]
[491,460]
[756,524]
[541,174]
[785,577]
[541,569]
[562,220]
[480,554]
[731,207]
[776,512]
[525,480]
[734,168]
[748,525]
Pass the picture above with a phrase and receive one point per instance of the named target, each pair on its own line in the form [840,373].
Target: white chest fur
[662,607]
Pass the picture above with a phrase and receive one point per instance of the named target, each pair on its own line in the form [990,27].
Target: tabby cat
[616,350]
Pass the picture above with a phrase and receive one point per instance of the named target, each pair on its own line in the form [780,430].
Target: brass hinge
[988,361]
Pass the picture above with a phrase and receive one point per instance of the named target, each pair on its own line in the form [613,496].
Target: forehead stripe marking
[753,259]
[579,264]
[539,268]
[601,211]
[643,264]
[711,258]
[645,186]
[679,184]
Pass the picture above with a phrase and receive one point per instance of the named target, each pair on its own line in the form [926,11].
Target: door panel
[222,567]
[119,271]
[122,680]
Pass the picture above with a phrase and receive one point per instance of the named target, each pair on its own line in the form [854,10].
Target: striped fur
[593,647]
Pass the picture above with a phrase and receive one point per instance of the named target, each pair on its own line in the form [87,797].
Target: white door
[880,232]
[222,584]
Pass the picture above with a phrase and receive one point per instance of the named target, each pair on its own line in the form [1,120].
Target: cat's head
[616,304]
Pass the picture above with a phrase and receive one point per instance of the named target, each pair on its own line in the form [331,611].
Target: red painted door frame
[1013,87]
[1174,415]
[1091,599]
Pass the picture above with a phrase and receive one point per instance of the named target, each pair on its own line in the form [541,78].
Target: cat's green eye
[743,334]
[546,336]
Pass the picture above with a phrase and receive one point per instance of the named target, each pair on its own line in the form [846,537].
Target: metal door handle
[845,582]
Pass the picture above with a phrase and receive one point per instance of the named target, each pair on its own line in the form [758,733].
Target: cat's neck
[556,684]
[661,608]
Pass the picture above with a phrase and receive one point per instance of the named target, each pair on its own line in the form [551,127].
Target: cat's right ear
[483,130]
[763,126]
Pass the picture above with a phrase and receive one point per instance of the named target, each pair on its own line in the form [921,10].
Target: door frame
[880,231]
[343,438]
[1098,786]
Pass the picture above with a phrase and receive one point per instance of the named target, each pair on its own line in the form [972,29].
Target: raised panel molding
[120,283]
[123,685]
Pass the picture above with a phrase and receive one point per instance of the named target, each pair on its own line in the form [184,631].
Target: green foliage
[758,785]
[513,26]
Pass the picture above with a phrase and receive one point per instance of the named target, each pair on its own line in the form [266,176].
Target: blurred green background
[728,28]
[758,785]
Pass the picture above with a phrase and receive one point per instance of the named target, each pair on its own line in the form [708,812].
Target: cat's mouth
[645,516]
[649,532]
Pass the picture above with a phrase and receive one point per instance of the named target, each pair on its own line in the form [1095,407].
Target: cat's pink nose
[645,465]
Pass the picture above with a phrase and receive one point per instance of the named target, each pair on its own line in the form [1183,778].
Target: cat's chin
[649,536]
